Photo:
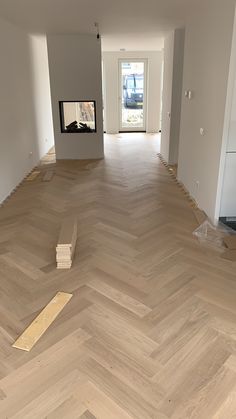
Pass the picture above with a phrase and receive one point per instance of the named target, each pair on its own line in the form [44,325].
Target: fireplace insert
[77,116]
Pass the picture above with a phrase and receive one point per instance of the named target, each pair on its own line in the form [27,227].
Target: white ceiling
[132,24]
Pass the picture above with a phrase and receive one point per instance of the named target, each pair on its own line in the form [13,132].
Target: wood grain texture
[48,176]
[39,325]
[32,176]
[66,243]
[150,332]
[230,241]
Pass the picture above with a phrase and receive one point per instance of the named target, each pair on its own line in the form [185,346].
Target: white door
[132,95]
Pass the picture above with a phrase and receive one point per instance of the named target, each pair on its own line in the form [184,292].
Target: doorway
[132,95]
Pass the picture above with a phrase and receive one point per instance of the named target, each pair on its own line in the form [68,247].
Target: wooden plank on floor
[33,175]
[38,327]
[66,243]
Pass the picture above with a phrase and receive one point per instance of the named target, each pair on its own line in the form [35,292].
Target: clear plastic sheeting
[212,235]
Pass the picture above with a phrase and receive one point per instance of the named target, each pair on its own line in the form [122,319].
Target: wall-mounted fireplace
[77,116]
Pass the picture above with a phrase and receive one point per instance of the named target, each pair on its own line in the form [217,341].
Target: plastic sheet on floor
[212,235]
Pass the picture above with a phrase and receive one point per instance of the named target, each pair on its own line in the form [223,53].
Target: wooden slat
[33,175]
[39,326]
[125,301]
[66,243]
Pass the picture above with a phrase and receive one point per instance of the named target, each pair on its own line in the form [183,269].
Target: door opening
[132,95]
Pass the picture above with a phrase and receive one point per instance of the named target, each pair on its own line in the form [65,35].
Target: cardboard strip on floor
[39,325]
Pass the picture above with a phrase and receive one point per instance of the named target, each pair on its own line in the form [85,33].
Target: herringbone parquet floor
[151,329]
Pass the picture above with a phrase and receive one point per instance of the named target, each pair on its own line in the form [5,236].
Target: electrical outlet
[46,140]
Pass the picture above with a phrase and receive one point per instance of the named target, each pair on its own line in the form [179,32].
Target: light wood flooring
[150,331]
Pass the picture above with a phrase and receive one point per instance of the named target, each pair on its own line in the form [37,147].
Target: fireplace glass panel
[78,117]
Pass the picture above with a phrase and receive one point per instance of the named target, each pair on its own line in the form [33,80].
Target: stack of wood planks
[66,243]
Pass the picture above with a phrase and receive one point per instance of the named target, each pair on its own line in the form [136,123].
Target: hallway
[150,331]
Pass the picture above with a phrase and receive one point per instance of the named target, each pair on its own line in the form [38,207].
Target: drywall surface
[75,74]
[112,88]
[232,125]
[167,95]
[20,146]
[177,87]
[41,92]
[226,193]
[228,199]
[208,41]
[172,95]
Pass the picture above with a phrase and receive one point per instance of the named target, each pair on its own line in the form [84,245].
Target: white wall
[42,96]
[111,88]
[18,134]
[167,95]
[177,89]
[75,74]
[206,68]
[232,123]
[172,95]
[228,198]
[226,191]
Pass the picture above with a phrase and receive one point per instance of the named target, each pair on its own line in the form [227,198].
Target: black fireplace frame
[62,120]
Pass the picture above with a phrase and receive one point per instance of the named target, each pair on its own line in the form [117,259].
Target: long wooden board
[39,325]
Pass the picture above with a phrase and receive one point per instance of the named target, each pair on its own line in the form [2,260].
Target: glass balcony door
[132,95]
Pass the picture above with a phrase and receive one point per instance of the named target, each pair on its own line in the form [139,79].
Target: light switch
[190,94]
